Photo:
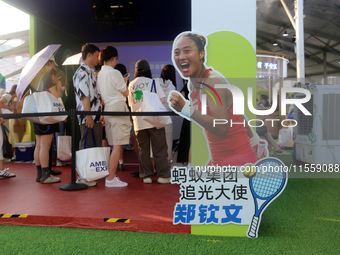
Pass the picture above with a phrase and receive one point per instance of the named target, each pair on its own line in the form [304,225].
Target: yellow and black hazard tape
[6,216]
[117,220]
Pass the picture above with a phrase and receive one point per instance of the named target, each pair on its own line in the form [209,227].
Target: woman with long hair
[147,133]
[44,133]
[6,102]
[168,83]
[228,144]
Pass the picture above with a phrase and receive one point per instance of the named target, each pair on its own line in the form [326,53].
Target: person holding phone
[117,128]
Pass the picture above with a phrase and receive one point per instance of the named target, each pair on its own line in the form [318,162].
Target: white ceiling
[321,35]
[13,59]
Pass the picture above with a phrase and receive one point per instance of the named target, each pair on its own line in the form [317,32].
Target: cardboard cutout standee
[216,189]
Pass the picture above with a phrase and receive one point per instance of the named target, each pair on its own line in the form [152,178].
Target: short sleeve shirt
[85,84]
[140,84]
[111,85]
[8,102]
[8,98]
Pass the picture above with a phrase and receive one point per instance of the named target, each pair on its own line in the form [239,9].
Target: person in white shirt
[168,83]
[113,90]
[6,102]
[146,133]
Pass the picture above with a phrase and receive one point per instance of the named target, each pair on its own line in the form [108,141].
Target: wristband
[186,110]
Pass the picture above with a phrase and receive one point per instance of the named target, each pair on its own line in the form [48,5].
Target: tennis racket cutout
[266,185]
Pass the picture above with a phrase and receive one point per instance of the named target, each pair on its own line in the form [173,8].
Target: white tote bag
[64,151]
[93,163]
[43,102]
[152,103]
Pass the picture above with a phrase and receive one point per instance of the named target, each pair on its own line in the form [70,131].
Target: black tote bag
[6,146]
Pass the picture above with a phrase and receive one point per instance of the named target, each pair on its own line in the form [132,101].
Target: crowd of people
[101,84]
[107,89]
[110,91]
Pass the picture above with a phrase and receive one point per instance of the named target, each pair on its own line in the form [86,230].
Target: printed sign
[223,195]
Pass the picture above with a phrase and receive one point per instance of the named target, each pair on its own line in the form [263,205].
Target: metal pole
[73,121]
[288,14]
[325,79]
[73,185]
[300,48]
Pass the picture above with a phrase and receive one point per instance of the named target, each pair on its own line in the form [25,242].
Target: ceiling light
[275,43]
[285,33]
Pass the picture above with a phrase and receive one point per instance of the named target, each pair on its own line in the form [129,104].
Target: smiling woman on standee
[228,145]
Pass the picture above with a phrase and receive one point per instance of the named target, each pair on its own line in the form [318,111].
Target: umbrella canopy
[75,59]
[33,66]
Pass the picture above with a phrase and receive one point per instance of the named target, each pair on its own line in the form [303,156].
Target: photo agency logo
[238,104]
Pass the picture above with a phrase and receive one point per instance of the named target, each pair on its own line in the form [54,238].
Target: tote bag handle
[153,86]
[93,138]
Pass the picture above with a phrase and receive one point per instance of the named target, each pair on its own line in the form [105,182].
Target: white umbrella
[75,59]
[33,66]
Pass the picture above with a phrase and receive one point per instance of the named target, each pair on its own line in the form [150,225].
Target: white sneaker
[162,180]
[147,180]
[6,174]
[60,163]
[83,181]
[115,182]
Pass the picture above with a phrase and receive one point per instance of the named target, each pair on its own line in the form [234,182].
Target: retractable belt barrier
[73,186]
[23,115]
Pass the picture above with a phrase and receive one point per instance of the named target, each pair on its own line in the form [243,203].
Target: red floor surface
[149,207]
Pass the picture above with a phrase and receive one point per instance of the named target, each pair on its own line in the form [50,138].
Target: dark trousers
[184,142]
[159,150]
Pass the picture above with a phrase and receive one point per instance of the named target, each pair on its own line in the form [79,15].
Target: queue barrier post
[73,186]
